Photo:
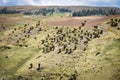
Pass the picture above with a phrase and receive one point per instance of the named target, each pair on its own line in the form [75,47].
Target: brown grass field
[76,21]
[12,19]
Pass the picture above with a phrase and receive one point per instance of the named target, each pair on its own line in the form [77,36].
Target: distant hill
[46,10]
[73,8]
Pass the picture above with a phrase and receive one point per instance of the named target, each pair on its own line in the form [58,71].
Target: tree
[28,13]
[6,11]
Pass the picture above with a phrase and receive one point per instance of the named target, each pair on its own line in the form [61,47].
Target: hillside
[51,48]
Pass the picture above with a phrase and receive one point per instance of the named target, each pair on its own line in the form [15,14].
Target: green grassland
[19,48]
[61,14]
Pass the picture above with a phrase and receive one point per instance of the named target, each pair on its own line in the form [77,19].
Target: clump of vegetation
[2,48]
[74,76]
[83,23]
[66,40]
[31,66]
[114,22]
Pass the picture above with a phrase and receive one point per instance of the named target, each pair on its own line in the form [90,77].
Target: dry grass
[85,65]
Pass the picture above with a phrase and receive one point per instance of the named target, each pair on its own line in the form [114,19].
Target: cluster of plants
[114,23]
[61,40]
[20,35]
[67,40]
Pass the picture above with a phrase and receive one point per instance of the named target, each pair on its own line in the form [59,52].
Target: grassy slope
[87,65]
[61,14]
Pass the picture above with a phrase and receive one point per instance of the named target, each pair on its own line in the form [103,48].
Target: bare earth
[76,21]
[12,20]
